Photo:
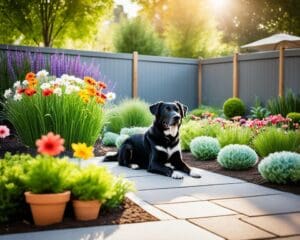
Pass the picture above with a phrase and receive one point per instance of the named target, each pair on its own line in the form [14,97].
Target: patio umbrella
[277,41]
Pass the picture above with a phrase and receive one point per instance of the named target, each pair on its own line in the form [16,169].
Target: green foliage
[92,183]
[66,115]
[205,148]
[237,157]
[12,172]
[120,188]
[52,22]
[129,113]
[109,138]
[258,111]
[217,112]
[295,116]
[133,130]
[193,129]
[285,104]
[281,167]
[235,135]
[120,140]
[275,140]
[49,175]
[234,107]
[137,35]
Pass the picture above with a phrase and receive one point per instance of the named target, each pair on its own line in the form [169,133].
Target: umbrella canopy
[274,42]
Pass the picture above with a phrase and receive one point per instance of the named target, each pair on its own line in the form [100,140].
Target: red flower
[103,96]
[50,144]
[30,91]
[47,92]
[20,90]
[102,85]
[90,80]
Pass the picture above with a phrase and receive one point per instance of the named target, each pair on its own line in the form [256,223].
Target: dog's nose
[176,118]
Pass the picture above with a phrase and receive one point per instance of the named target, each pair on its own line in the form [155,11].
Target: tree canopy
[50,22]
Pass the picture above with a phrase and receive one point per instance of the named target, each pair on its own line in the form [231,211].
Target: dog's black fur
[159,145]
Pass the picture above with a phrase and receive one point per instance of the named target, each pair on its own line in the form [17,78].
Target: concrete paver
[263,205]
[282,224]
[194,209]
[232,228]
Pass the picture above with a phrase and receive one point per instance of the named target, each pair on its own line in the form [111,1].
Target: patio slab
[194,209]
[281,225]
[223,191]
[163,230]
[263,205]
[232,228]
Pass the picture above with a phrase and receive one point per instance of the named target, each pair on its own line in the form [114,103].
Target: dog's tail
[111,157]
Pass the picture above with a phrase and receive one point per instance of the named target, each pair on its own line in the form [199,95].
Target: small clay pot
[86,210]
[47,208]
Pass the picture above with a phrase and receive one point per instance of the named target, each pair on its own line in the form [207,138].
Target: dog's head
[168,116]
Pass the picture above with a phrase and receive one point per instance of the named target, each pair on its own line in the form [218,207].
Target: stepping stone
[231,227]
[281,225]
[162,230]
[263,205]
[288,238]
[194,209]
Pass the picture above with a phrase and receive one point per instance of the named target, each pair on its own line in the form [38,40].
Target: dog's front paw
[195,172]
[177,175]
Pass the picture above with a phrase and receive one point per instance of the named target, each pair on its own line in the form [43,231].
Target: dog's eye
[176,109]
[168,108]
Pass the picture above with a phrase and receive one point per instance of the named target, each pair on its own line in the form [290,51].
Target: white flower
[17,97]
[17,84]
[7,93]
[25,82]
[79,81]
[71,88]
[111,96]
[45,86]
[58,81]
[57,91]
[42,73]
[64,77]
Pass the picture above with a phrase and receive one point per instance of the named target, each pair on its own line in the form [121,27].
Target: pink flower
[4,131]
[50,144]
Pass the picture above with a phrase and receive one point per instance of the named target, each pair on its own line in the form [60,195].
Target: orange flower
[50,144]
[30,76]
[30,91]
[102,85]
[32,82]
[90,80]
[100,100]
[47,92]
[91,90]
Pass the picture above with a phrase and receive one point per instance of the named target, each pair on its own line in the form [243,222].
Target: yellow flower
[84,96]
[91,90]
[81,150]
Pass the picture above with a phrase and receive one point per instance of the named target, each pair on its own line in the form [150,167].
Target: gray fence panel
[168,81]
[258,78]
[292,74]
[216,83]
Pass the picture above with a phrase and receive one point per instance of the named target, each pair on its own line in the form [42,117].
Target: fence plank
[135,75]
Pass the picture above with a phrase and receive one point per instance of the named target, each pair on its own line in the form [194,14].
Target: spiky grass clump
[275,140]
[235,135]
[129,113]
[281,167]
[237,157]
[205,148]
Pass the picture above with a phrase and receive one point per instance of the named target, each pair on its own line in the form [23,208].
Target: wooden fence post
[281,72]
[135,75]
[235,77]
[199,90]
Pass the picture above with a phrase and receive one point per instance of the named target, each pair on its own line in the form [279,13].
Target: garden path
[212,207]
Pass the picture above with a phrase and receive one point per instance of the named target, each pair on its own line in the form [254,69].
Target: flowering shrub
[281,167]
[69,106]
[237,157]
[205,148]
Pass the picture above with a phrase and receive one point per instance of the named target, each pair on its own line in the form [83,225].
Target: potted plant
[91,187]
[47,181]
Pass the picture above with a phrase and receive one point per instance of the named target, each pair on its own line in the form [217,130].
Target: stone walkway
[211,208]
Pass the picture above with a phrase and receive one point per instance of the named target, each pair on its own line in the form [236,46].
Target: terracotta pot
[86,210]
[47,209]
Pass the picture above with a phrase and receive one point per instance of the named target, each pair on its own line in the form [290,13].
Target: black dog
[159,145]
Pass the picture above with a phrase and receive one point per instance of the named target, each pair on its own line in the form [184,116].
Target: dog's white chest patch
[173,130]
[169,151]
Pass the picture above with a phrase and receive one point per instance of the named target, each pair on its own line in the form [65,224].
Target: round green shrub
[281,167]
[121,139]
[294,116]
[234,107]
[109,138]
[205,148]
[237,157]
[133,130]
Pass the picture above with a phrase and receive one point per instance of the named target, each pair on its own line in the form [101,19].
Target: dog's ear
[183,108]
[155,107]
